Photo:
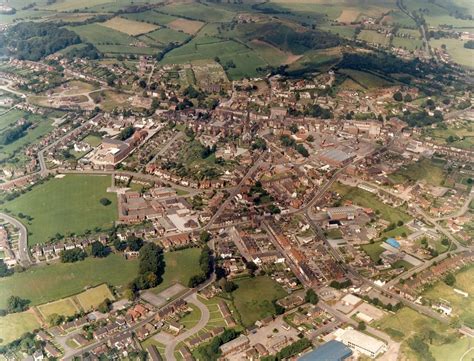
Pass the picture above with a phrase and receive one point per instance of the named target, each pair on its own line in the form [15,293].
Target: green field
[64,307]
[366,80]
[93,297]
[464,133]
[198,11]
[424,170]
[52,282]
[92,140]
[366,199]
[407,44]
[192,318]
[65,205]
[456,50]
[165,36]
[373,250]
[179,267]
[371,36]
[253,298]
[13,326]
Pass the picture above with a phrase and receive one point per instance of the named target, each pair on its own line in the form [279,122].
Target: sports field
[66,205]
[93,297]
[14,325]
[52,282]
[64,307]
[253,298]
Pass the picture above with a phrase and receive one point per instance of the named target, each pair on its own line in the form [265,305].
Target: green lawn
[366,199]
[192,318]
[179,267]
[374,250]
[253,298]
[92,140]
[51,282]
[65,205]
[13,326]
[93,297]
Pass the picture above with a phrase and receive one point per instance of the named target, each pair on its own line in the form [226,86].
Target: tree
[310,138]
[105,306]
[120,245]
[17,304]
[134,243]
[311,297]
[99,250]
[72,255]
[450,279]
[293,128]
[4,271]
[398,96]
[55,319]
[407,98]
[204,236]
[126,133]
[361,326]
[151,260]
[105,201]
[228,286]
[300,148]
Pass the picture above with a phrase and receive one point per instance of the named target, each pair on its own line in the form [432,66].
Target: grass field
[65,307]
[151,17]
[366,199]
[66,205]
[454,351]
[198,11]
[13,326]
[424,170]
[374,250]
[366,80]
[92,140]
[49,283]
[166,36]
[408,44]
[129,27]
[464,133]
[253,298]
[371,36]
[456,50]
[93,297]
[179,267]
[185,25]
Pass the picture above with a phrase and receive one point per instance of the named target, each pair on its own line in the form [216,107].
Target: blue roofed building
[330,351]
[393,242]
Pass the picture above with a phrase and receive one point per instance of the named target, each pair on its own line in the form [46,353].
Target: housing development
[239,180]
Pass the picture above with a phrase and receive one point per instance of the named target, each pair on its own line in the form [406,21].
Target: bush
[105,201]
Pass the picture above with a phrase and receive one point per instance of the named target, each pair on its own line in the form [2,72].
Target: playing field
[14,325]
[52,282]
[253,299]
[66,205]
[65,307]
[180,266]
[129,27]
[93,297]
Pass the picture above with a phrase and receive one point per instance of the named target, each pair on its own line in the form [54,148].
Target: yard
[253,298]
[65,205]
[14,325]
[52,282]
[180,266]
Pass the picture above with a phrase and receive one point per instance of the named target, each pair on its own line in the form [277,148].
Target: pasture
[186,26]
[371,36]
[65,205]
[165,36]
[198,11]
[48,283]
[14,325]
[129,27]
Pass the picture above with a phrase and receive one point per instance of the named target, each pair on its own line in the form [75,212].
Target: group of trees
[35,40]
[290,350]
[126,133]
[210,351]
[151,267]
[289,142]
[4,270]
[17,304]
[133,243]
[15,133]
[205,265]
[72,255]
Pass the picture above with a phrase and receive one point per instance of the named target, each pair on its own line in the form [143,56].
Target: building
[330,351]
[239,344]
[335,157]
[361,342]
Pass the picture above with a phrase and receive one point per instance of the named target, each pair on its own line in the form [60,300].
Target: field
[93,297]
[44,284]
[364,79]
[166,36]
[16,324]
[129,27]
[374,250]
[456,50]
[198,11]
[253,298]
[92,140]
[151,17]
[65,307]
[179,267]
[463,132]
[56,209]
[186,26]
[407,44]
[424,170]
[366,199]
[371,36]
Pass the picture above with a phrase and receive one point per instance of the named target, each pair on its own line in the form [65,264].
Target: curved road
[170,347]
[23,253]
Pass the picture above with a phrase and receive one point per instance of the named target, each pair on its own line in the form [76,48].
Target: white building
[361,342]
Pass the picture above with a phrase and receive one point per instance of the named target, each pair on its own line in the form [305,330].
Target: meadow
[48,283]
[65,205]
[129,27]
[14,325]
[456,50]
[253,298]
[372,36]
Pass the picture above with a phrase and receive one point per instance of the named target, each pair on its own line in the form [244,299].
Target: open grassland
[90,299]
[425,170]
[253,298]
[92,140]
[371,36]
[366,199]
[456,50]
[65,205]
[8,119]
[151,17]
[342,30]
[180,266]
[185,25]
[407,44]
[13,326]
[462,135]
[454,351]
[129,27]
[52,282]
[64,307]
[108,100]
[366,80]
[463,307]
[166,36]
[68,5]
[439,14]
[198,11]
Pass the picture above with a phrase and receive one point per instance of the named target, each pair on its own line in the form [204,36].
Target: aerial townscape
[237,180]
